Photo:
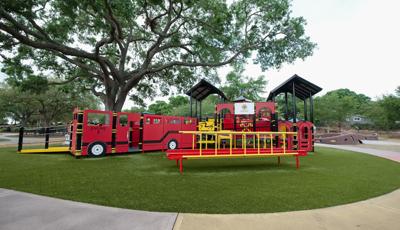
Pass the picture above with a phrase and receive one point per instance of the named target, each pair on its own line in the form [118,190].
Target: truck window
[98,119]
[123,120]
[174,121]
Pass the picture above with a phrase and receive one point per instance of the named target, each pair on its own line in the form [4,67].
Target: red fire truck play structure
[97,133]
[238,129]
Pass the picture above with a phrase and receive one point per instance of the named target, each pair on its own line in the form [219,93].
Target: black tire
[97,149]
[172,144]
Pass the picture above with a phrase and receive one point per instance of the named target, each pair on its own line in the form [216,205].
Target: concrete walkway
[378,213]
[19,211]
[391,155]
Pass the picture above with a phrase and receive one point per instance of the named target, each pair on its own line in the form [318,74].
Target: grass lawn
[151,182]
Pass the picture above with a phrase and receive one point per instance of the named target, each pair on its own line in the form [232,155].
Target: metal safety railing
[263,142]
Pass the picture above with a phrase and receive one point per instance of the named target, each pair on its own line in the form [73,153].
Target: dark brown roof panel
[203,89]
[304,89]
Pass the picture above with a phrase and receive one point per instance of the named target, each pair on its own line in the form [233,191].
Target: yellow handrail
[236,132]
[232,139]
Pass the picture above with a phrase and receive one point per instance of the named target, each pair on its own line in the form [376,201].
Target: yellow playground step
[49,150]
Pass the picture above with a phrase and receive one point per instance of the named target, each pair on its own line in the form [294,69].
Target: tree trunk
[115,103]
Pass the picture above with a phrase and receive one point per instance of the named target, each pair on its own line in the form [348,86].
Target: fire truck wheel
[172,144]
[97,149]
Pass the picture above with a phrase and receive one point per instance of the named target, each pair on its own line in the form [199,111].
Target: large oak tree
[123,47]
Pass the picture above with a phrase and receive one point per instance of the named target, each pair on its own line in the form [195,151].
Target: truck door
[127,132]
[153,132]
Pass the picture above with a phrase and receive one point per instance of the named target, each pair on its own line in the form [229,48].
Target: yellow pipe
[238,156]
[272,145]
[206,142]
[284,143]
[236,132]
[265,141]
[201,140]
[193,140]
[230,144]
[258,143]
[216,144]
[234,141]
[245,144]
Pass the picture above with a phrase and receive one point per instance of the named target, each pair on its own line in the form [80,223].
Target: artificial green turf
[151,182]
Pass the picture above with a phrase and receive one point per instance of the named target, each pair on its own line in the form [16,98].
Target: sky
[358,46]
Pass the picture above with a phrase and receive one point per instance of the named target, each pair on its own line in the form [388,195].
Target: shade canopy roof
[241,99]
[303,88]
[203,89]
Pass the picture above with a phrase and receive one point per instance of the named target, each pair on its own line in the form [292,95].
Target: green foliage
[42,108]
[336,106]
[141,47]
[178,100]
[151,182]
[280,107]
[135,109]
[239,85]
[160,107]
[386,112]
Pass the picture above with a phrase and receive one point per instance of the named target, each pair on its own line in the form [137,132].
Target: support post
[181,165]
[191,105]
[286,107]
[234,122]
[46,143]
[20,138]
[200,109]
[305,110]
[294,103]
[312,120]
[196,109]
[311,109]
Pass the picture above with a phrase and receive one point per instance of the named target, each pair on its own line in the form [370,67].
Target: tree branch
[193,64]
[114,21]
[51,46]
[79,64]
[64,82]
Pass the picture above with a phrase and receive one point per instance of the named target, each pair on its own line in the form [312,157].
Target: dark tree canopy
[124,47]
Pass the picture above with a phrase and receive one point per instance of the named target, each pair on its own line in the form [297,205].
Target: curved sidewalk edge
[20,210]
[377,213]
[391,155]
